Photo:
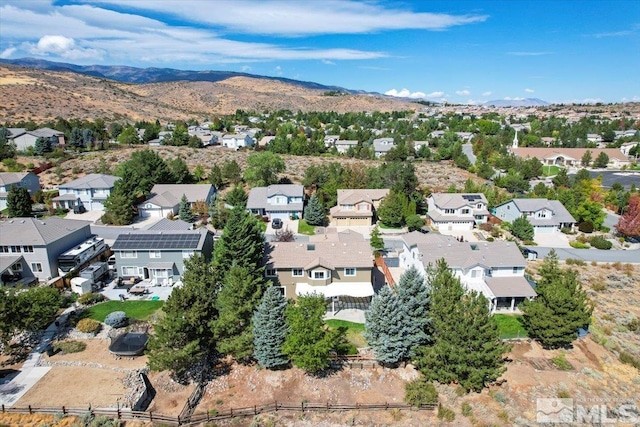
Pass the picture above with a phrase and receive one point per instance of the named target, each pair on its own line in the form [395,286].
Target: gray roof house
[335,269]
[277,201]
[455,211]
[24,139]
[343,145]
[40,243]
[158,256]
[29,180]
[89,191]
[495,269]
[164,199]
[357,206]
[381,146]
[546,216]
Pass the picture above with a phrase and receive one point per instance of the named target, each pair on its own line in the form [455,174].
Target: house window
[270,272]
[36,267]
[350,272]
[516,270]
[4,249]
[161,274]
[16,267]
[474,274]
[283,291]
[465,211]
[27,249]
[318,274]
[128,254]
[129,271]
[187,254]
[449,211]
[479,206]
[297,272]
[15,249]
[155,254]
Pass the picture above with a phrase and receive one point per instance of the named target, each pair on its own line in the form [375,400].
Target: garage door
[544,230]
[281,215]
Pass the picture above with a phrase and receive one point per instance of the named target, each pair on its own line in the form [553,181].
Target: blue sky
[459,51]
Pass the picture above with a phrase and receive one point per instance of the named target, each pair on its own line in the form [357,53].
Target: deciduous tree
[263,169]
[629,222]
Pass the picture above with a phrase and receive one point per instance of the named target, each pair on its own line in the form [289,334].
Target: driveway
[291,224]
[552,240]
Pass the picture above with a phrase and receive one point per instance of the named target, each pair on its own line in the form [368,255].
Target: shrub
[566,230]
[414,222]
[490,239]
[561,362]
[633,325]
[466,409]
[629,359]
[486,226]
[70,346]
[600,242]
[446,414]
[564,394]
[599,286]
[586,227]
[573,261]
[90,299]
[116,319]
[578,245]
[88,326]
[420,392]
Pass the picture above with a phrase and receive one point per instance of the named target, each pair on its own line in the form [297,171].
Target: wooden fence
[124,414]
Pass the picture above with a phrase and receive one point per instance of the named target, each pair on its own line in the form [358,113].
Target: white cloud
[7,52]
[405,93]
[463,92]
[507,98]
[529,90]
[285,17]
[528,53]
[487,93]
[436,94]
[327,62]
[245,68]
[64,47]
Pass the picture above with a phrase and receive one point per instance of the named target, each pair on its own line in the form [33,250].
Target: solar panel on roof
[157,241]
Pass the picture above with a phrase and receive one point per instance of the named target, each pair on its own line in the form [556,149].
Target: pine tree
[413,297]
[560,309]
[184,213]
[467,348]
[184,336]
[308,341]
[42,145]
[384,328]
[19,202]
[377,243]
[236,302]
[522,229]
[270,329]
[118,209]
[314,212]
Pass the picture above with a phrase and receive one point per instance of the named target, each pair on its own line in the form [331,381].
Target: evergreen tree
[413,297]
[237,300]
[42,145]
[75,138]
[466,348]
[184,336]
[586,159]
[237,197]
[314,212]
[180,171]
[215,177]
[392,209]
[231,171]
[19,202]
[601,161]
[184,213]
[270,329]
[384,328]
[118,208]
[562,179]
[308,341]
[377,243]
[560,308]
[522,229]
[7,148]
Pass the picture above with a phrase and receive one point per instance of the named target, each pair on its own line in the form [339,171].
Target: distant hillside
[40,95]
[527,102]
[127,74]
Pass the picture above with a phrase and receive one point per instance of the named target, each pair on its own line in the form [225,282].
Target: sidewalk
[31,373]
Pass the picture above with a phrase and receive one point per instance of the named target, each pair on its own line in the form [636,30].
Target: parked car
[529,253]
[276,223]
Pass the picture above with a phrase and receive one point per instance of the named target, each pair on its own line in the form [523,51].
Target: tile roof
[35,232]
[93,180]
[433,247]
[329,254]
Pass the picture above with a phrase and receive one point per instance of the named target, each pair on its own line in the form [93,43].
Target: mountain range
[526,102]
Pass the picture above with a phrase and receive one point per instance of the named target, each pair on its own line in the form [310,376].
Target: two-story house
[331,140]
[343,145]
[454,211]
[339,270]
[546,216]
[237,141]
[39,243]
[90,191]
[494,269]
[282,201]
[8,180]
[357,207]
[164,199]
[381,146]
[158,256]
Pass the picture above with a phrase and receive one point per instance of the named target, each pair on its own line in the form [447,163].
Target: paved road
[626,178]
[468,150]
[588,255]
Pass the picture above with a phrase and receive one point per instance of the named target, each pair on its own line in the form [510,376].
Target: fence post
[231,412]
[3,408]
[386,405]
[151,416]
[303,406]
[275,402]
[31,412]
[118,412]
[179,422]
[255,409]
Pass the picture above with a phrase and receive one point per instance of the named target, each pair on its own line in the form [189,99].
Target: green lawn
[304,228]
[387,227]
[354,331]
[140,310]
[510,326]
[550,170]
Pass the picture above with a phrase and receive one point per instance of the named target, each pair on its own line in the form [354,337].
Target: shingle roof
[9,178]
[289,190]
[560,213]
[353,196]
[8,261]
[93,180]
[433,247]
[34,232]
[169,195]
[166,224]
[516,286]
[356,254]
[45,132]
[457,200]
[258,197]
